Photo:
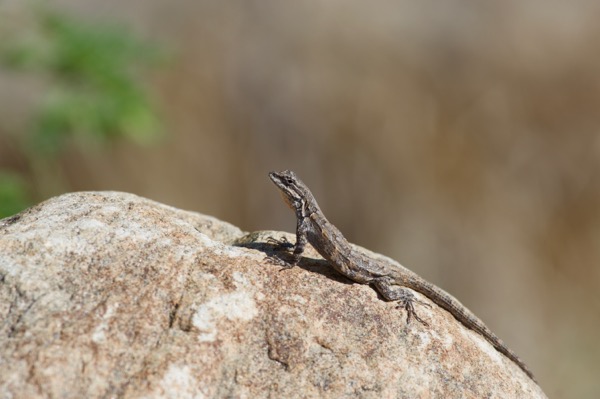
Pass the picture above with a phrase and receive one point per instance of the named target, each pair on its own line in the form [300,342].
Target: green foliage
[94,92]
[13,194]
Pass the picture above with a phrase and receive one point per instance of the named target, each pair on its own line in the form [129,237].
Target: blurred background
[461,138]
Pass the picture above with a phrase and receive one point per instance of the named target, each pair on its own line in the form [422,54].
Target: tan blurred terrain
[460,138]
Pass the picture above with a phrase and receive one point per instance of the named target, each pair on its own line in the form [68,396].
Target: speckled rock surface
[106,294]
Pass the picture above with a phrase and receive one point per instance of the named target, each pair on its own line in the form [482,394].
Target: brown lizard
[393,281]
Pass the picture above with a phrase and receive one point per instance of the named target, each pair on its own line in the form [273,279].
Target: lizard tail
[466,317]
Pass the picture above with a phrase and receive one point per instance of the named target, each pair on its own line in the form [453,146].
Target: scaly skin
[393,281]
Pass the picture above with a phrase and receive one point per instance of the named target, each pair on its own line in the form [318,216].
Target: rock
[106,294]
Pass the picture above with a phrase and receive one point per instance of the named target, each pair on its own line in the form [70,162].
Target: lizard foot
[280,244]
[277,260]
[407,301]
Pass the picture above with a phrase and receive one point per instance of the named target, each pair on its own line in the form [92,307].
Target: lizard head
[294,192]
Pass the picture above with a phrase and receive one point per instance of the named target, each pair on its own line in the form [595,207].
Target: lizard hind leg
[402,295]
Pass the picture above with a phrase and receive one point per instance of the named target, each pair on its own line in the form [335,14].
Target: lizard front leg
[301,241]
[405,298]
[302,226]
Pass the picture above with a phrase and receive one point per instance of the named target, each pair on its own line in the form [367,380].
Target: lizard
[393,281]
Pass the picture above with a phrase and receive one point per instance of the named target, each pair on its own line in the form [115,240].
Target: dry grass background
[461,138]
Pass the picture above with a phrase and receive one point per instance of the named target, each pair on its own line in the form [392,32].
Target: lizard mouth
[278,178]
